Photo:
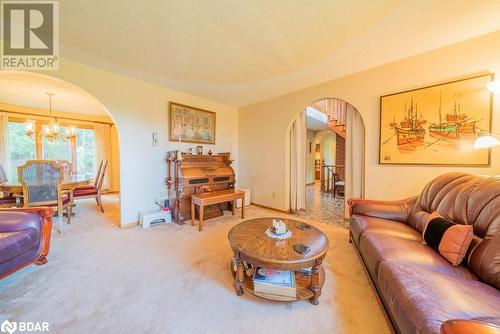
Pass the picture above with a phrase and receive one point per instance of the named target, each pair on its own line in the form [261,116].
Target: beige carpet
[173,279]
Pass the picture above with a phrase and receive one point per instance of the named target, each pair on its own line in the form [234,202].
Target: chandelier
[53,131]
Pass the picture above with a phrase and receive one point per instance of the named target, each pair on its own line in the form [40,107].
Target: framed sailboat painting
[436,125]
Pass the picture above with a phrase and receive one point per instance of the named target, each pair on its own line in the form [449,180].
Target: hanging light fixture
[53,131]
[29,128]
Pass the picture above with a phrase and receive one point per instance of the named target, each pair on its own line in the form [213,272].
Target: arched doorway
[326,160]
[84,134]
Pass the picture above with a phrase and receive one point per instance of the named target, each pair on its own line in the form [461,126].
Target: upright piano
[189,174]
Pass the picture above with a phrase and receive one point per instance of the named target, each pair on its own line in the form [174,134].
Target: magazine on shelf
[272,276]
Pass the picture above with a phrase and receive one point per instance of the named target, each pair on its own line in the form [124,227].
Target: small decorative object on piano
[209,152]
[279,230]
[190,150]
[199,149]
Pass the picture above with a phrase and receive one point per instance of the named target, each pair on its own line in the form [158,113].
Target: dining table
[70,181]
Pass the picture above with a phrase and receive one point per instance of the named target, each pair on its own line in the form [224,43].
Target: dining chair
[93,191]
[41,181]
[96,179]
[338,185]
[66,166]
[7,200]
[3,175]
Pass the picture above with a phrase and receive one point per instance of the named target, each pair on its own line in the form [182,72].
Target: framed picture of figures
[190,124]
[436,125]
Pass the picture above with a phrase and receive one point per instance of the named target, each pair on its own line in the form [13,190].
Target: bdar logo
[8,327]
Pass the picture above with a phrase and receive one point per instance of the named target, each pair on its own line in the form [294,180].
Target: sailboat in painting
[444,129]
[410,130]
[464,123]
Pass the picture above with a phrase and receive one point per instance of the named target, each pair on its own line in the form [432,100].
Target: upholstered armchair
[24,238]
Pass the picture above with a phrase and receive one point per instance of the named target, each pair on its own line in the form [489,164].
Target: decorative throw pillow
[449,239]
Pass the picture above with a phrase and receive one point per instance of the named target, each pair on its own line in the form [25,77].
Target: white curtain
[4,143]
[103,150]
[298,144]
[354,155]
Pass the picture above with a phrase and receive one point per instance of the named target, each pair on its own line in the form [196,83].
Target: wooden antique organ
[189,174]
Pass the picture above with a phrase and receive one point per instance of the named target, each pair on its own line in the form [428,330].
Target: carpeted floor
[174,279]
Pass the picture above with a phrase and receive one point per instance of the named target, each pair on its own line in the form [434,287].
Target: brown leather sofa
[24,238]
[419,288]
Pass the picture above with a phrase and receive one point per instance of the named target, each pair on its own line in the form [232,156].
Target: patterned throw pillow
[449,239]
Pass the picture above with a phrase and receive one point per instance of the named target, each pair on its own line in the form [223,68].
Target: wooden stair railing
[327,178]
[336,110]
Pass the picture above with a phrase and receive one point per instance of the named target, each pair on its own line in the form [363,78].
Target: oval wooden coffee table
[251,244]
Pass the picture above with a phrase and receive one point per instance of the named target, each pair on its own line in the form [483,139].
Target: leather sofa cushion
[420,298]
[377,248]
[484,261]
[360,224]
[13,244]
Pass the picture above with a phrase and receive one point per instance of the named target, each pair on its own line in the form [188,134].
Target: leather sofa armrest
[46,214]
[392,210]
[486,325]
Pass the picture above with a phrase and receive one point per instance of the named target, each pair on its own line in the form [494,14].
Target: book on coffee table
[274,282]
[273,276]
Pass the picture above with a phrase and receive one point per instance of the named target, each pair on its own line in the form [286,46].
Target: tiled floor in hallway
[323,207]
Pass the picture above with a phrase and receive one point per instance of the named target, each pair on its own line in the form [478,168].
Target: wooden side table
[215,197]
[250,244]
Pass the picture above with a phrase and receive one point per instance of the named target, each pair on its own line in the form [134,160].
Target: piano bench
[215,197]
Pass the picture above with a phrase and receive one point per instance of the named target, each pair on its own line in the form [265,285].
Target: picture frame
[436,125]
[190,124]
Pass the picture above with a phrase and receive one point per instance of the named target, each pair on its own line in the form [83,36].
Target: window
[22,148]
[58,150]
[85,152]
[80,152]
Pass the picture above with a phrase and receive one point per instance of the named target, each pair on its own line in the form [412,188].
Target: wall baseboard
[129,225]
[270,208]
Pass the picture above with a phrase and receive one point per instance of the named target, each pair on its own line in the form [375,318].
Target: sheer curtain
[4,143]
[298,145]
[103,150]
[354,156]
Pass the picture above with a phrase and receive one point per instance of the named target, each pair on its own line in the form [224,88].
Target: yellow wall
[115,161]
[262,126]
[139,109]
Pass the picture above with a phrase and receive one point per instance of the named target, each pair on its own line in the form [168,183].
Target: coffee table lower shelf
[302,285]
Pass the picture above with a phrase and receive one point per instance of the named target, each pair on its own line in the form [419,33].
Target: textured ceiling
[223,41]
[243,51]
[28,90]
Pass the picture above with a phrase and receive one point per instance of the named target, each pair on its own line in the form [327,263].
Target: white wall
[139,109]
[262,126]
[310,156]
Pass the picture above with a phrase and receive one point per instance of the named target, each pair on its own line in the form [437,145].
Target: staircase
[336,110]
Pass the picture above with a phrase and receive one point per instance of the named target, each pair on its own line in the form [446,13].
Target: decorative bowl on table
[279,230]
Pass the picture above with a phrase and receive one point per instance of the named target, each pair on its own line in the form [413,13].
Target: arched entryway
[82,132]
[325,148]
